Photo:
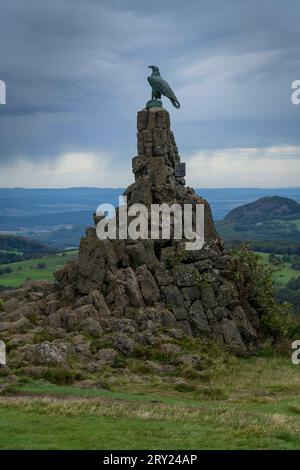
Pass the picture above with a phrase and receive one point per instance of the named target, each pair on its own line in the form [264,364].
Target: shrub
[190,373]
[152,353]
[33,318]
[290,293]
[185,388]
[266,349]
[42,336]
[179,256]
[119,362]
[254,282]
[100,343]
[59,376]
[213,393]
[41,265]
[4,371]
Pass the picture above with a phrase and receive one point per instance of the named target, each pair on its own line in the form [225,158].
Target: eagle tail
[175,103]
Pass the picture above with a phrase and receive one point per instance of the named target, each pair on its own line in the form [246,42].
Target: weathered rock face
[136,292]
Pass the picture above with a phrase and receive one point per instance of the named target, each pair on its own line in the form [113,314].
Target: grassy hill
[265,208]
[269,218]
[41,268]
[14,248]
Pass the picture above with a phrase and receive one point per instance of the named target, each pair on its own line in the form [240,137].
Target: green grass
[282,274]
[296,222]
[259,409]
[19,430]
[24,270]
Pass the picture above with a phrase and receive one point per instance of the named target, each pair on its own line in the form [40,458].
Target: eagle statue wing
[160,85]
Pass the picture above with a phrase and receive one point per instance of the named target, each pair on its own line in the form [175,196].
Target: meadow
[34,269]
[282,273]
[249,403]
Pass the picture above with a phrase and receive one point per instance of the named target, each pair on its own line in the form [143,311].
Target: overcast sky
[76,74]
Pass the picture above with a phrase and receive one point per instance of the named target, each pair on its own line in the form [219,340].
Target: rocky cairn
[127,294]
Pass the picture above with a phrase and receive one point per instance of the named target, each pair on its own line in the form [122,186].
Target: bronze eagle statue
[161,87]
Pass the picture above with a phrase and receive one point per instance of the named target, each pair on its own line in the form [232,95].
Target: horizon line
[123,187]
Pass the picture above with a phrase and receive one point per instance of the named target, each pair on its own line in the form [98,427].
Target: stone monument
[135,293]
[158,281]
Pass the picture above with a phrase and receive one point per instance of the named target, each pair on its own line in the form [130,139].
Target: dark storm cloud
[75,73]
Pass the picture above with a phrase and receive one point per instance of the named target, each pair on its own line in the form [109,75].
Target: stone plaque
[180,170]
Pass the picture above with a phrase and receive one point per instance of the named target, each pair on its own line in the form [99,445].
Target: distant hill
[14,248]
[47,220]
[267,219]
[265,208]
